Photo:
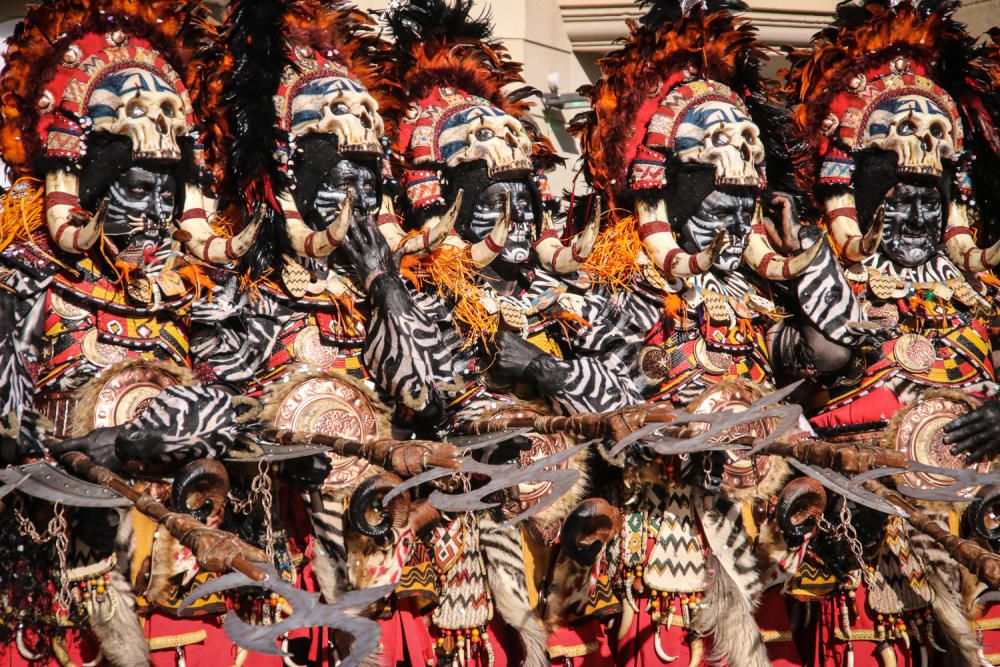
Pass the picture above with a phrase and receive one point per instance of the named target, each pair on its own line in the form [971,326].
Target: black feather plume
[422,20]
[255,38]
[661,11]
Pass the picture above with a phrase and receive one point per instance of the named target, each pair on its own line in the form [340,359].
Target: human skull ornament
[488,134]
[917,130]
[721,134]
[143,106]
[342,107]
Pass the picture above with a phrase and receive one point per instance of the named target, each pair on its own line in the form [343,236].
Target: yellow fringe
[452,272]
[22,211]
[615,256]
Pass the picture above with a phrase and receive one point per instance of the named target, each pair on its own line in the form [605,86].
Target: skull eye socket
[135,109]
[720,138]
[339,109]
[749,137]
[906,128]
[484,134]
[937,130]
[168,110]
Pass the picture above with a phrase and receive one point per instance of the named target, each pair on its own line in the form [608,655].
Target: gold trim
[577,651]
[987,624]
[993,658]
[770,636]
[176,641]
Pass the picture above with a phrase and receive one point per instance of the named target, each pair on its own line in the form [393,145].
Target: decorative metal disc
[740,472]
[101,354]
[919,435]
[332,406]
[914,353]
[714,362]
[310,349]
[128,392]
[530,493]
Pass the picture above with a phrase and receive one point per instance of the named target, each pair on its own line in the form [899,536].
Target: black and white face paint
[490,206]
[140,207]
[348,176]
[720,210]
[914,216]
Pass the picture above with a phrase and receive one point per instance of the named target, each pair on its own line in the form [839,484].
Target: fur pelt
[733,591]
[945,578]
[509,587]
[114,621]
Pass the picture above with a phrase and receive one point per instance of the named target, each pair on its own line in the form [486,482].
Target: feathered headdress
[877,60]
[284,61]
[648,112]
[111,77]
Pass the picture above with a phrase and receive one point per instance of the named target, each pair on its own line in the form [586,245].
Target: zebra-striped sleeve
[402,347]
[826,299]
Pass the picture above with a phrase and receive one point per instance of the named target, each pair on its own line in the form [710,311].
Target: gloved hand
[977,433]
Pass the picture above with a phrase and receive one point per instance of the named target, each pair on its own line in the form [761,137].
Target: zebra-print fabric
[509,587]
[330,552]
[826,299]
[402,350]
[938,269]
[186,423]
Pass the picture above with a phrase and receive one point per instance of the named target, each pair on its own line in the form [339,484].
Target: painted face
[348,176]
[914,217]
[720,210]
[140,206]
[490,206]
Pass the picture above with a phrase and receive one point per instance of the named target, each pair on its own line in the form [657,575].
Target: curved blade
[842,485]
[279,453]
[307,612]
[471,442]
[43,480]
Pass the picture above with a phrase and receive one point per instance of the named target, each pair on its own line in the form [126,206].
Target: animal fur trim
[504,557]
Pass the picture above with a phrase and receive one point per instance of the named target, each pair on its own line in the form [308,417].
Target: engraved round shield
[740,472]
[541,446]
[915,353]
[332,406]
[128,392]
[918,433]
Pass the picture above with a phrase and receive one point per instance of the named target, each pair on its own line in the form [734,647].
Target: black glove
[977,433]
[368,252]
[100,445]
[308,473]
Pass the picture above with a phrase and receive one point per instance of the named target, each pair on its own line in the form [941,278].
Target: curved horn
[962,248]
[984,513]
[424,518]
[309,243]
[662,248]
[761,256]
[436,229]
[560,258]
[203,242]
[62,211]
[201,489]
[484,252]
[367,500]
[843,224]
[588,528]
[800,506]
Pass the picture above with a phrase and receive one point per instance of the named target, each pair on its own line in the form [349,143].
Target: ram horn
[962,246]
[842,217]
[484,252]
[366,501]
[983,513]
[201,489]
[435,230]
[761,256]
[662,248]
[588,528]
[561,258]
[62,210]
[310,243]
[799,508]
[202,241]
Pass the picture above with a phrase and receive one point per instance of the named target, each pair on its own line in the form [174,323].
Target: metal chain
[260,489]
[27,527]
[851,535]
[60,527]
